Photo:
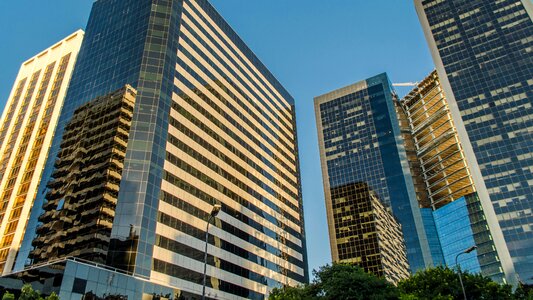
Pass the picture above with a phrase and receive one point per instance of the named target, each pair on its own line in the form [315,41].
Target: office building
[367,234]
[211,125]
[79,206]
[449,198]
[360,142]
[27,127]
[482,52]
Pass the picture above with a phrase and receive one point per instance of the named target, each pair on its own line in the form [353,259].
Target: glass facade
[108,60]
[482,50]
[211,125]
[367,234]
[78,279]
[456,235]
[360,141]
[80,204]
[433,236]
[461,224]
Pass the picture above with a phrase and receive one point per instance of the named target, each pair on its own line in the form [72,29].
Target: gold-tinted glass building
[449,197]
[82,194]
[367,234]
[27,127]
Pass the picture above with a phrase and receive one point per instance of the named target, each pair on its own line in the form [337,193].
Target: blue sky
[311,46]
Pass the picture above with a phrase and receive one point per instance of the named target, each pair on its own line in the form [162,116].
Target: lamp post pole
[212,215]
[459,267]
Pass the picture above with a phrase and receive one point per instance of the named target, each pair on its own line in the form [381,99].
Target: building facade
[360,141]
[211,125]
[367,234]
[449,196]
[482,51]
[79,206]
[27,127]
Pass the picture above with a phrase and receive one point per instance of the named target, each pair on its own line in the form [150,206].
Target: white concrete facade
[27,127]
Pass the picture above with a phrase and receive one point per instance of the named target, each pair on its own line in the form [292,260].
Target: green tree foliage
[342,281]
[524,292]
[52,296]
[8,296]
[290,293]
[28,293]
[339,281]
[443,283]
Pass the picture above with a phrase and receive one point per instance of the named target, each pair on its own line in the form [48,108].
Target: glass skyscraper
[211,125]
[360,141]
[482,51]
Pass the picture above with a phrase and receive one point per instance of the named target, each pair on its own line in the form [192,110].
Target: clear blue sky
[311,46]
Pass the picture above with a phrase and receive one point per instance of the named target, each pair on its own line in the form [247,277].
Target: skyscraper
[448,198]
[211,125]
[482,52]
[27,127]
[360,141]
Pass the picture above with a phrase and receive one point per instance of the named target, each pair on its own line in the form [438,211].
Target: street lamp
[459,267]
[212,215]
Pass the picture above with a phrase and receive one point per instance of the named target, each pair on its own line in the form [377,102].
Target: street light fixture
[459,267]
[214,212]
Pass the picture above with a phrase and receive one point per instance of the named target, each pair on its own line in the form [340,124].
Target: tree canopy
[344,281]
[443,283]
[28,293]
[339,281]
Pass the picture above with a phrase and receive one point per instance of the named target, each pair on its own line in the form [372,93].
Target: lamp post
[212,215]
[459,267]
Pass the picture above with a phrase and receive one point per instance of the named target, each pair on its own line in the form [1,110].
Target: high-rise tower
[27,128]
[360,142]
[449,195]
[482,52]
[211,125]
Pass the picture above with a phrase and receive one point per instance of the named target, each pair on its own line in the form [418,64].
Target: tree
[8,296]
[443,283]
[52,296]
[28,293]
[290,293]
[343,281]
[339,281]
[524,292]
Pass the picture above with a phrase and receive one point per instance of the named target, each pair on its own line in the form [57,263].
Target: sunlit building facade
[449,200]
[361,142]
[482,52]
[27,127]
[211,125]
